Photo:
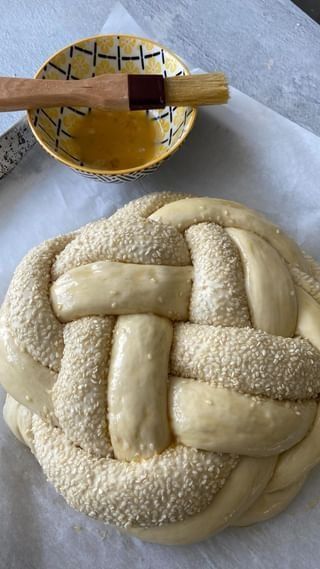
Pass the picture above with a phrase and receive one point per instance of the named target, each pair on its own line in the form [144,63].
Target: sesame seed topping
[216,342]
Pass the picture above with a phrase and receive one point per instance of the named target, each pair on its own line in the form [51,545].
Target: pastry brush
[116,91]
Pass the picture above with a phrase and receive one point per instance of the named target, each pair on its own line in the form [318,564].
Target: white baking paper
[242,151]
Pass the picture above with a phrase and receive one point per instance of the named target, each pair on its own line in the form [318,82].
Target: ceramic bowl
[109,54]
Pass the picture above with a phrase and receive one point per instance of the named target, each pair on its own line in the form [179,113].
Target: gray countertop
[270,50]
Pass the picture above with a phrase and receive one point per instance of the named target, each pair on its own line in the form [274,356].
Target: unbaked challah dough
[163,365]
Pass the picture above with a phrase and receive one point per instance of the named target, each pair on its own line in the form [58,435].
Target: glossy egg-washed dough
[163,366]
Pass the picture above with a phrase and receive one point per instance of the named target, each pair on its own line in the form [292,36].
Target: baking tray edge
[14,144]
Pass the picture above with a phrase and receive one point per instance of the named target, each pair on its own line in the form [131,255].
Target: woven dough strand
[164,366]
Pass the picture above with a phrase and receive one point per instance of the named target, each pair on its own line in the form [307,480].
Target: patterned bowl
[109,54]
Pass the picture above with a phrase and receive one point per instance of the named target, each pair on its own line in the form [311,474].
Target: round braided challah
[163,365]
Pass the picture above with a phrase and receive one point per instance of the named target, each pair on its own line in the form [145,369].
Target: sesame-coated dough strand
[164,366]
[247,360]
[126,237]
[168,487]
[30,315]
[82,382]
[218,295]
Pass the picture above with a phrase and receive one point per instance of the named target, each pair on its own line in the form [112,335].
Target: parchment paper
[244,152]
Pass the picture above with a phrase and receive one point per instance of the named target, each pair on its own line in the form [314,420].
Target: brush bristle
[194,90]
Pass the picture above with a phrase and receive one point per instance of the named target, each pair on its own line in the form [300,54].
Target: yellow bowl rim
[141,168]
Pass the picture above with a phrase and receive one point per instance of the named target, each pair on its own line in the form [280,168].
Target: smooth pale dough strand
[270,504]
[244,485]
[183,213]
[269,286]
[308,325]
[80,392]
[296,462]
[122,288]
[137,386]
[19,420]
[222,420]
[218,294]
[247,360]
[24,378]
[289,475]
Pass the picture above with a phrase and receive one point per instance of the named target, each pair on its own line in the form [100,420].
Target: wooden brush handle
[110,92]
[105,91]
